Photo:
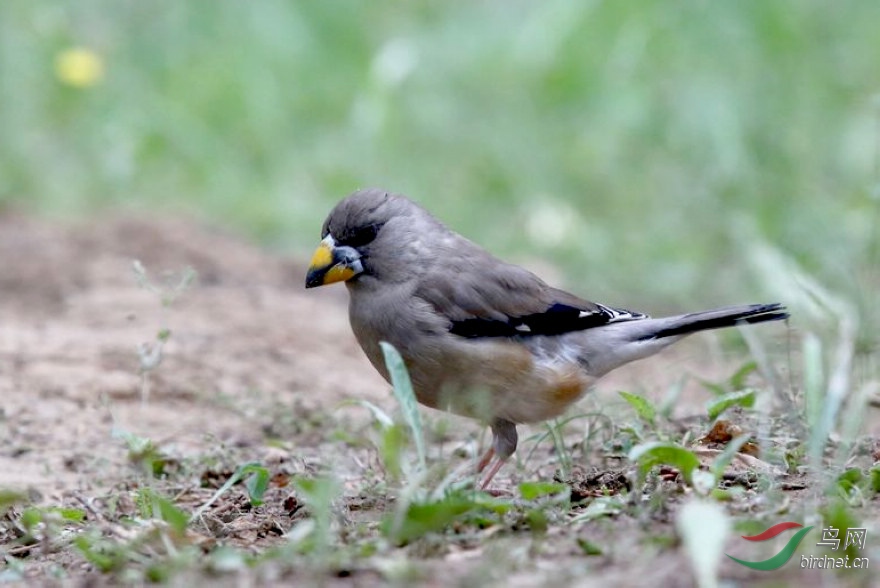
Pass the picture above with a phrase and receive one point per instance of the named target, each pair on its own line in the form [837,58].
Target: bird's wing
[481,296]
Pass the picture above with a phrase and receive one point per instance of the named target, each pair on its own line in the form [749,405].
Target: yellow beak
[333,264]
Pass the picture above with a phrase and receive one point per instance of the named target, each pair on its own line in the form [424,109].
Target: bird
[481,337]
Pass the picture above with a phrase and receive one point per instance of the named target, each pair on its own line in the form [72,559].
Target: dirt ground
[245,337]
[255,369]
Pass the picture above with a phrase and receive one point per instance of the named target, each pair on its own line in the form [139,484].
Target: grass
[660,157]
[163,527]
[606,133]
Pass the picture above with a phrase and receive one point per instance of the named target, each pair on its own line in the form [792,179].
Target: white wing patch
[619,315]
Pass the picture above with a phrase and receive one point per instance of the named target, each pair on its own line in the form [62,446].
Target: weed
[169,290]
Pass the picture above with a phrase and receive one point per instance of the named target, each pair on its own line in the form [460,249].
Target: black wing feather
[481,296]
[557,319]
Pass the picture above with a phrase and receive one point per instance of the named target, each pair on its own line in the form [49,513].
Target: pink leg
[503,445]
[484,461]
[492,471]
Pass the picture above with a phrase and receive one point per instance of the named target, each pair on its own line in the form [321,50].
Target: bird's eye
[361,235]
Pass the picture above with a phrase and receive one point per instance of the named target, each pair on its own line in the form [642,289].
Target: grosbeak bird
[481,337]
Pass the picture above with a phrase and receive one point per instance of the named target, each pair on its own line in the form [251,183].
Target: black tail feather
[720,318]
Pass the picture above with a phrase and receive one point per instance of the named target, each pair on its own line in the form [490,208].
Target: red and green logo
[778,560]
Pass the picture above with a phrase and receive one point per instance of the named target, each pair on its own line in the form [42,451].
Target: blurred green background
[641,147]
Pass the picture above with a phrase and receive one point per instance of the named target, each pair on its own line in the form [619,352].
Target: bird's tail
[613,345]
[729,316]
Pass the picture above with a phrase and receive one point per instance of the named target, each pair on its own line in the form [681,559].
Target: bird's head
[370,233]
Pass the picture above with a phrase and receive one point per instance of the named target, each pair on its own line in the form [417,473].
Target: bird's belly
[500,380]
[485,379]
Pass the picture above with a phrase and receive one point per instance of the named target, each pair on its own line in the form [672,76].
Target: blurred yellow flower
[79,67]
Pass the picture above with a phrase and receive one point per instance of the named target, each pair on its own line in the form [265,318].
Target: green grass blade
[643,407]
[255,488]
[725,457]
[648,455]
[405,395]
[744,398]
[703,527]
[319,495]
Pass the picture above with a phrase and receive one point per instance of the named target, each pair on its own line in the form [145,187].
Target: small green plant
[554,430]
[735,383]
[106,555]
[391,442]
[596,422]
[704,527]
[256,481]
[743,398]
[171,286]
[433,515]
[600,507]
[47,525]
[644,408]
[152,505]
[726,456]
[856,487]
[406,397]
[143,451]
[9,498]
[648,455]
[315,536]
[535,490]
[168,290]
[634,432]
